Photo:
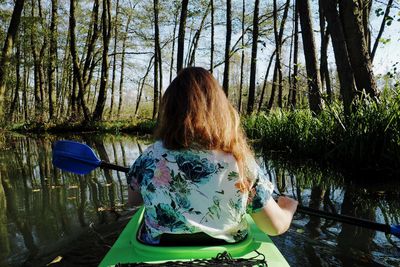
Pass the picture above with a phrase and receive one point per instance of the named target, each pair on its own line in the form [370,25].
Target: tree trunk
[173,47]
[36,66]
[212,38]
[181,35]
[15,101]
[295,56]
[242,60]
[253,62]
[114,67]
[310,54]
[273,89]
[265,82]
[141,85]
[345,72]
[324,71]
[75,61]
[7,48]
[351,17]
[381,28]
[106,29]
[121,80]
[366,7]
[225,82]
[279,49]
[156,58]
[53,56]
[196,38]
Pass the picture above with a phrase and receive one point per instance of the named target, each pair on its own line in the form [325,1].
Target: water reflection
[43,209]
[326,242]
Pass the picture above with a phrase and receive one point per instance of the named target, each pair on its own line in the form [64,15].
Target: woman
[200,176]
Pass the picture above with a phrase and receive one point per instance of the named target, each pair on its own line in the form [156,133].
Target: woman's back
[187,183]
[192,191]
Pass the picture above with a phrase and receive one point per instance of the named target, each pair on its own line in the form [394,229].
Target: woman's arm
[134,198]
[275,218]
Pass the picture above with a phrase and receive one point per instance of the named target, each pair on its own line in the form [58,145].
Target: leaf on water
[73,187]
[35,190]
[300,231]
[109,184]
[71,198]
[101,209]
[57,259]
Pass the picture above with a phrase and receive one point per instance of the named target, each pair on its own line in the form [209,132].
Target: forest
[316,84]
[84,65]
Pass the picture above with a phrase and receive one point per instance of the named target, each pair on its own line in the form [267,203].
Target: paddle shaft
[106,165]
[346,219]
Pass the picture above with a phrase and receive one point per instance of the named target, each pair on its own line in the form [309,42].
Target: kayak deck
[127,249]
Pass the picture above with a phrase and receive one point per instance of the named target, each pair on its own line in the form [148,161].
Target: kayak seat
[179,240]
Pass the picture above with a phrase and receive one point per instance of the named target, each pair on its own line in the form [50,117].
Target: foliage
[368,139]
[137,126]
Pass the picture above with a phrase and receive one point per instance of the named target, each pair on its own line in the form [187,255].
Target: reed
[366,139]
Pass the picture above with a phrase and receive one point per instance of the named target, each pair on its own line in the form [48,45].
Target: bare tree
[7,48]
[106,29]
[253,63]
[225,82]
[354,32]
[310,54]
[345,72]
[381,28]
[181,35]
[53,56]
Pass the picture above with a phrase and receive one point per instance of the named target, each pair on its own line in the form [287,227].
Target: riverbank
[366,142]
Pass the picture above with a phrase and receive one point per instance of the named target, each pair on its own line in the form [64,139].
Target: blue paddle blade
[395,230]
[74,157]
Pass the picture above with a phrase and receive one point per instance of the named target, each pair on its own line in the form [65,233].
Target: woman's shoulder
[158,148]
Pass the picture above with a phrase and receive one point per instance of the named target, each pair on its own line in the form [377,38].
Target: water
[46,214]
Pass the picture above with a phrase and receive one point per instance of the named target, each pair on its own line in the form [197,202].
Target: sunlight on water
[44,210]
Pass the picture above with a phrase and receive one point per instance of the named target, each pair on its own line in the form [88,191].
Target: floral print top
[191,191]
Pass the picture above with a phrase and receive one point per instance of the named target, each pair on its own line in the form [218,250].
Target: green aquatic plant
[368,138]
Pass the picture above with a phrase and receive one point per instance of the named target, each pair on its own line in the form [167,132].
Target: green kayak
[127,249]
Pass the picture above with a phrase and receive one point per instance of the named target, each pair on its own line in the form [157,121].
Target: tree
[385,21]
[242,60]
[181,35]
[114,65]
[212,37]
[354,32]
[106,29]
[225,82]
[157,58]
[53,56]
[295,56]
[253,62]
[7,48]
[78,75]
[278,76]
[310,54]
[324,54]
[196,38]
[121,80]
[345,72]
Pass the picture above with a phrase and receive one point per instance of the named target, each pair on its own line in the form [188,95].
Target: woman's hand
[275,217]
[288,204]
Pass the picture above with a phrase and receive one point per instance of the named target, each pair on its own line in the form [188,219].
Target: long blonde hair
[196,112]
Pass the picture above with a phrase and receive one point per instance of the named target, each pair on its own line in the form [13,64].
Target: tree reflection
[42,208]
[356,239]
